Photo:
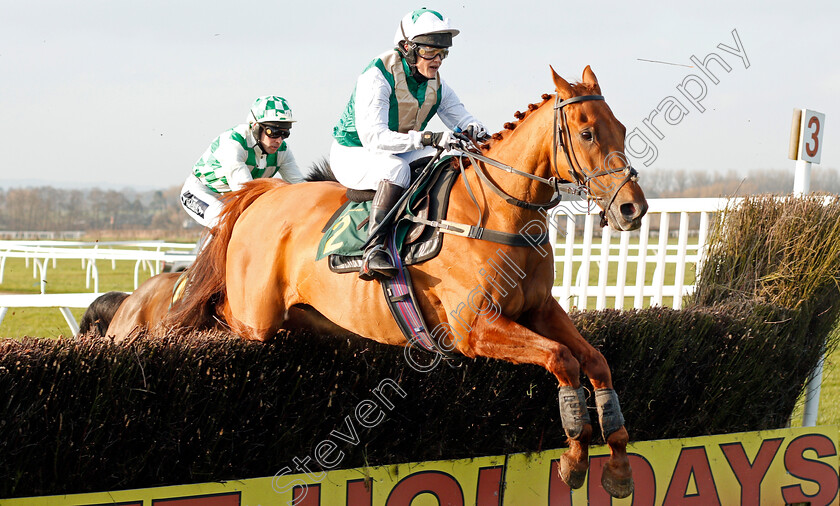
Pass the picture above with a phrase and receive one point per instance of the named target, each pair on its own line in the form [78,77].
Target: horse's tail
[206,288]
[99,314]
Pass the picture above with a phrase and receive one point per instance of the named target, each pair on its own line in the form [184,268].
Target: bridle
[582,177]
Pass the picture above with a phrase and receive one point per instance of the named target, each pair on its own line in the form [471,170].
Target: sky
[130,94]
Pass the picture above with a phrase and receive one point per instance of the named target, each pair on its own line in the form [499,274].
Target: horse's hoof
[615,486]
[571,472]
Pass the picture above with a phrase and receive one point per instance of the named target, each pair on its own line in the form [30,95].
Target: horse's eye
[586,135]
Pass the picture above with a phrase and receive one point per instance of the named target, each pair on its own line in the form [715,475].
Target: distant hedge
[85,414]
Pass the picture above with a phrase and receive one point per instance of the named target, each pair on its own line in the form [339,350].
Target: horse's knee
[596,369]
[252,333]
[565,366]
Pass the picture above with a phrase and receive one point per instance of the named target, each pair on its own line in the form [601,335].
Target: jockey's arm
[287,167]
[452,112]
[232,156]
[371,109]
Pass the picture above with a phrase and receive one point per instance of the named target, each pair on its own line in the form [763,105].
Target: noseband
[582,177]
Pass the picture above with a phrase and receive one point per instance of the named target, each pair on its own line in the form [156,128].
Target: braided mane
[579,88]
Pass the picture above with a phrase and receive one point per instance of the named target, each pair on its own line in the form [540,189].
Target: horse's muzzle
[626,216]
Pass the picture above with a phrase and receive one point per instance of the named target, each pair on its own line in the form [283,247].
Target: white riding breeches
[203,205]
[362,169]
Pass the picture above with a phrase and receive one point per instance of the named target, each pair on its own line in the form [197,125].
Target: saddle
[346,230]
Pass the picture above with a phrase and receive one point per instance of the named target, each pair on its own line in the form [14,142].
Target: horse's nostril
[628,210]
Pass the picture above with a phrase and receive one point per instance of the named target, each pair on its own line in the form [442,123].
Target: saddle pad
[344,235]
[343,239]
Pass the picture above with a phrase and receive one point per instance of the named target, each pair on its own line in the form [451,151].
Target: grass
[68,277]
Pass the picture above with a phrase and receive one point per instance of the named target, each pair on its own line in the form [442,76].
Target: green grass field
[68,276]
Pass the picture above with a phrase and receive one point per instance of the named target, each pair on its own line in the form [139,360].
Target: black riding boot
[376,262]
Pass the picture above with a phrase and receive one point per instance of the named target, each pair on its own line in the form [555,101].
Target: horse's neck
[526,149]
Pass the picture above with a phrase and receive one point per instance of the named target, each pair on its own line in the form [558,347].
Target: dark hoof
[615,486]
[571,472]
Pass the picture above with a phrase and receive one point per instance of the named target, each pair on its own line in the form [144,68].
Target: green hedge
[85,414]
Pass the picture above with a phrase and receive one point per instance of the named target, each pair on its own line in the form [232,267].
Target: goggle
[275,133]
[429,52]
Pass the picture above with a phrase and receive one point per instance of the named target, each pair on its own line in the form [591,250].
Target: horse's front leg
[505,339]
[551,320]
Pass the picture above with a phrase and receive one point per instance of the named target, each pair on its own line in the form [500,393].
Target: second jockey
[248,151]
[382,128]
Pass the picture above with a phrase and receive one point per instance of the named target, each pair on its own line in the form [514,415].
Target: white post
[802,178]
[812,395]
[806,134]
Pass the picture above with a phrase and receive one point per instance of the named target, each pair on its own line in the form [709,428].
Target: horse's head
[589,147]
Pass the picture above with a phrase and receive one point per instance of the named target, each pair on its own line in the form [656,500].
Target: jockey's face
[429,68]
[270,146]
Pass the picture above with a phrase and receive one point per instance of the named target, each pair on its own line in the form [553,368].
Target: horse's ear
[563,87]
[589,78]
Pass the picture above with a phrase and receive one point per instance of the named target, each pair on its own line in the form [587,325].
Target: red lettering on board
[359,493]
[309,495]
[692,462]
[812,470]
[489,485]
[227,499]
[750,475]
[644,481]
[559,494]
[443,486]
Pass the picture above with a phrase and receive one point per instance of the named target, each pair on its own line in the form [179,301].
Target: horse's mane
[197,309]
[579,89]
[320,171]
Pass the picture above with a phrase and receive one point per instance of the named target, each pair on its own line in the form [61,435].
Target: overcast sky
[131,93]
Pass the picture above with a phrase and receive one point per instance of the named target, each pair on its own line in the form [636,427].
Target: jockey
[245,152]
[382,128]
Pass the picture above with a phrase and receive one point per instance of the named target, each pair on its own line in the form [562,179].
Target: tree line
[51,209]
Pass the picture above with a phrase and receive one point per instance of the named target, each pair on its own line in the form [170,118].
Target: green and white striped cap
[271,108]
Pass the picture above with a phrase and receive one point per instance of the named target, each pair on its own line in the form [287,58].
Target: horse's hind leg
[551,320]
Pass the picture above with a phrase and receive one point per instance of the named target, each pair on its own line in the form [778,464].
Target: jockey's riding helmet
[425,27]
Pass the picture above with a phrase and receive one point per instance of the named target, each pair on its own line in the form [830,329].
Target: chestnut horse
[258,274]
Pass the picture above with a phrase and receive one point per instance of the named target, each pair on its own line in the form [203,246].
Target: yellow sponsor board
[752,468]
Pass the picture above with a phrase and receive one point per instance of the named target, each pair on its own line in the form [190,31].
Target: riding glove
[443,140]
[476,131]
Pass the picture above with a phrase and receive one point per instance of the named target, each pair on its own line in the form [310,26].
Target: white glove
[476,131]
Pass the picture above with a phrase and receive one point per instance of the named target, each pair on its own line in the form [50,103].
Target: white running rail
[62,301]
[147,256]
[649,264]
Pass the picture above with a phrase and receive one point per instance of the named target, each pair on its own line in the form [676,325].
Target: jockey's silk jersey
[235,158]
[389,108]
